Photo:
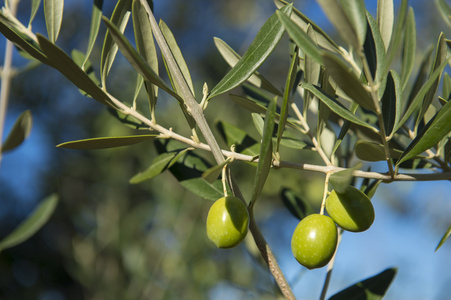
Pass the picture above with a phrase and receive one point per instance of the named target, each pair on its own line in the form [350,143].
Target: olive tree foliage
[344,101]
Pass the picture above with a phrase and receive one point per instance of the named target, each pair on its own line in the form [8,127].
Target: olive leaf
[96,18]
[444,238]
[385,20]
[106,142]
[263,45]
[32,224]
[341,180]
[233,135]
[53,12]
[373,288]
[19,132]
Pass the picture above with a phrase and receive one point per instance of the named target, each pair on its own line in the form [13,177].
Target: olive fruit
[314,241]
[227,222]
[351,210]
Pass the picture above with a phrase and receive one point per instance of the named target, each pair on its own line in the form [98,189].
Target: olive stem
[270,259]
[326,191]
[330,267]
[223,179]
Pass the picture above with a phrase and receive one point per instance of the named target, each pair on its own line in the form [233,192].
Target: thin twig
[6,79]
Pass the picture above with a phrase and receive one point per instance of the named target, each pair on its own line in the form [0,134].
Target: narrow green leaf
[356,12]
[446,92]
[263,45]
[342,180]
[188,171]
[434,131]
[265,156]
[63,63]
[323,110]
[416,102]
[298,207]
[137,61]
[19,132]
[233,135]
[248,104]
[385,20]
[107,142]
[119,18]
[373,288]
[22,41]
[445,10]
[301,38]
[302,22]
[289,82]
[444,238]
[371,151]
[158,165]
[32,224]
[391,102]
[94,29]
[146,47]
[175,50]
[34,9]
[259,123]
[214,172]
[53,12]
[232,58]
[397,33]
[336,15]
[409,48]
[336,107]
[79,59]
[377,57]
[441,53]
[348,81]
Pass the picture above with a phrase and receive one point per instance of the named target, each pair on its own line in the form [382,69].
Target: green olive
[314,241]
[351,210]
[227,222]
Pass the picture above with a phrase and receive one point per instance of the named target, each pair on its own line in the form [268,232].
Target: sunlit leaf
[53,12]
[263,45]
[303,21]
[214,172]
[106,142]
[265,156]
[335,106]
[311,73]
[32,224]
[445,10]
[119,18]
[444,238]
[298,207]
[373,288]
[397,34]
[347,81]
[63,63]
[94,29]
[232,58]
[409,48]
[19,132]
[34,9]
[137,61]
[301,38]
[170,39]
[22,41]
[356,12]
[435,130]
[446,87]
[385,20]
[289,82]
[416,102]
[336,15]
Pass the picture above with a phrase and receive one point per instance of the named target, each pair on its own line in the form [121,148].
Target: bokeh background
[112,240]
